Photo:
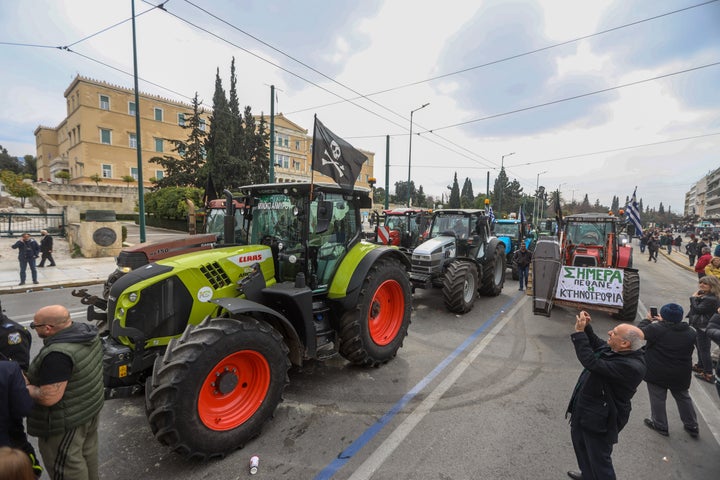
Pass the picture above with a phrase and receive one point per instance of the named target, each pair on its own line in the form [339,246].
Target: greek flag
[491,215]
[521,215]
[633,214]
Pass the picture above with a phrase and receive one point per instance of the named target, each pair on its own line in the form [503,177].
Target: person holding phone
[668,357]
[600,404]
[703,304]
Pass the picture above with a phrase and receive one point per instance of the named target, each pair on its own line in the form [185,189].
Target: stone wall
[95,239]
[123,200]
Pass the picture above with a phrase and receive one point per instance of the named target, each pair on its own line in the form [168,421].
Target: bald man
[65,380]
[600,403]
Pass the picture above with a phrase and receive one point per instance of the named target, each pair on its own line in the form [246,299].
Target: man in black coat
[28,251]
[668,356]
[600,404]
[46,248]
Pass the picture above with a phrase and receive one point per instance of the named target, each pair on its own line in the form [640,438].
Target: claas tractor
[220,214]
[211,334]
[404,228]
[587,266]
[461,257]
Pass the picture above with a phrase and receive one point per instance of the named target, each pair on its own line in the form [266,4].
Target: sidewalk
[68,272]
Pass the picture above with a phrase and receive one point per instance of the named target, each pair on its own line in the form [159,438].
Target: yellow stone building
[98,137]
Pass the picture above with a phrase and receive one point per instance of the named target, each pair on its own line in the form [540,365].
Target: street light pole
[502,166]
[537,187]
[410,151]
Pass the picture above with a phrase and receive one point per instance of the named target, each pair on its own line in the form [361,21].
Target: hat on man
[672,312]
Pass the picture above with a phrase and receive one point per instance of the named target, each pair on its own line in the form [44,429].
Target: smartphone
[653,312]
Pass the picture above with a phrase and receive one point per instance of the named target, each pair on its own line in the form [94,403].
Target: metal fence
[15,224]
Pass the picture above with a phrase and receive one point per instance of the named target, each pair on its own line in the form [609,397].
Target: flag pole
[312,156]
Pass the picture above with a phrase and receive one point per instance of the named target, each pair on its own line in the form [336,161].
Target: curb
[50,286]
[676,262]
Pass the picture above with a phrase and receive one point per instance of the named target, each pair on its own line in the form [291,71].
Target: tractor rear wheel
[460,286]
[373,332]
[493,273]
[631,297]
[216,386]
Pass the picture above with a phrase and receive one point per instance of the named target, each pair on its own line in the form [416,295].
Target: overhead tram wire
[519,55]
[574,97]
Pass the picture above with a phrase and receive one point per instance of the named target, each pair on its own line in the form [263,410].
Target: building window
[106,170]
[104,102]
[158,114]
[282,160]
[159,174]
[132,140]
[159,145]
[131,108]
[297,144]
[282,140]
[202,124]
[134,172]
[296,165]
[105,136]
[181,119]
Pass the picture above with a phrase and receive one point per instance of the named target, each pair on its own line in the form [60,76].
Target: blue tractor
[511,232]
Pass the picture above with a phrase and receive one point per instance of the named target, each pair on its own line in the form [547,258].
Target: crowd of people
[613,370]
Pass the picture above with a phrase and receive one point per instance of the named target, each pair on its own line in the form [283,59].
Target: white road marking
[381,454]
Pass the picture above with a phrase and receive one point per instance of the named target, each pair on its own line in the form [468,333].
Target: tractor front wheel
[631,297]
[460,286]
[493,272]
[216,386]
[373,332]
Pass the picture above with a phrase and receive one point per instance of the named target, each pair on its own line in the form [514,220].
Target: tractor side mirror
[324,215]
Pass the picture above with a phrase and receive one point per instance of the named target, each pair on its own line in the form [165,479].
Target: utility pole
[138,136]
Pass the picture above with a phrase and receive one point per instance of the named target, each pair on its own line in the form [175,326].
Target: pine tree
[454,201]
[189,169]
[220,165]
[498,193]
[255,150]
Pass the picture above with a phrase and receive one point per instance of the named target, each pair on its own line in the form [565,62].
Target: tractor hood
[434,245]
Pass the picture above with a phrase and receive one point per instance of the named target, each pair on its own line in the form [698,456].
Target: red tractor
[402,227]
[587,266]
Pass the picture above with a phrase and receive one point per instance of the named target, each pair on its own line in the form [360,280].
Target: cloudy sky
[592,97]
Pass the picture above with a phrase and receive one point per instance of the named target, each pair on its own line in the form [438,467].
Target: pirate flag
[334,157]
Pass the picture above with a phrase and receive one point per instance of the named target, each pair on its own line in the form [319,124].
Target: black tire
[460,286]
[112,278]
[216,386]
[631,297]
[493,272]
[373,332]
[514,271]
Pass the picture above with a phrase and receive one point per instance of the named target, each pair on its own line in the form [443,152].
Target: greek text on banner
[602,286]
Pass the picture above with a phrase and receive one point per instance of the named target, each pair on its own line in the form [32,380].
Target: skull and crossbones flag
[334,157]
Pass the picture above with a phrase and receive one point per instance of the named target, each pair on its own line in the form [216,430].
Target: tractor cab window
[327,248]
[452,224]
[588,233]
[506,229]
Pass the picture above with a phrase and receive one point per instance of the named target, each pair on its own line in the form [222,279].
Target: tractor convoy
[208,329]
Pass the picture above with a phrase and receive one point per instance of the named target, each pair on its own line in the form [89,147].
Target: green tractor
[211,334]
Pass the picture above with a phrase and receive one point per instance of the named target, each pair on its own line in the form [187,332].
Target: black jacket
[668,354]
[522,259]
[15,342]
[600,403]
[46,244]
[713,328]
[27,250]
[701,309]
[15,401]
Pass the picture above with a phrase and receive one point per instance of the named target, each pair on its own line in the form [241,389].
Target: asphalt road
[479,396]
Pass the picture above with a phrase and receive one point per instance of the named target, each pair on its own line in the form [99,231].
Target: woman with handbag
[703,304]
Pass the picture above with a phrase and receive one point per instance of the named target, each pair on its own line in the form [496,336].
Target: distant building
[703,198]
[98,137]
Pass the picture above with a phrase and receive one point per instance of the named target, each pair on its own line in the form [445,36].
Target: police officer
[15,341]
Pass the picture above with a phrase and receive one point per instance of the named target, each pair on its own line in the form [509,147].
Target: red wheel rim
[387,309]
[234,390]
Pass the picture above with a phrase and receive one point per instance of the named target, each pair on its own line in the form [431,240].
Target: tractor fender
[238,306]
[624,257]
[348,280]
[507,241]
[492,248]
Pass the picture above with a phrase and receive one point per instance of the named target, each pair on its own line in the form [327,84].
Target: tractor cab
[402,227]
[592,240]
